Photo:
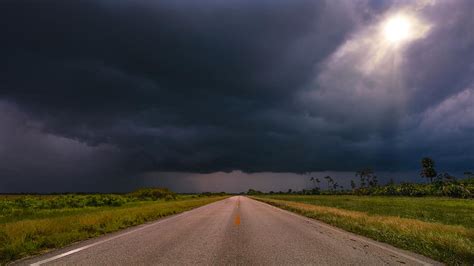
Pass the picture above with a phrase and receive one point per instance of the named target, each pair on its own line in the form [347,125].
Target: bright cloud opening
[378,48]
[397,29]
[402,28]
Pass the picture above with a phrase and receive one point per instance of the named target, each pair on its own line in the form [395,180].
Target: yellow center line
[237,220]
[237,217]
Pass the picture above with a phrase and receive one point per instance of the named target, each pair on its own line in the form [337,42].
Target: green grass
[429,209]
[440,228]
[32,230]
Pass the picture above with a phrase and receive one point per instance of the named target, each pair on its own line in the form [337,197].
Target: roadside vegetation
[32,224]
[439,185]
[444,186]
[440,228]
[435,219]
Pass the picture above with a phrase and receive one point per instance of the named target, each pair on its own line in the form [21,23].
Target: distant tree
[353,184]
[367,177]
[373,182]
[335,185]
[390,182]
[290,191]
[315,182]
[427,169]
[329,181]
[445,178]
[252,191]
[468,174]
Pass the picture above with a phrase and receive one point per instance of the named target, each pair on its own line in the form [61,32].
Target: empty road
[237,230]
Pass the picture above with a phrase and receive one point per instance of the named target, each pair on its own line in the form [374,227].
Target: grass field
[31,225]
[440,228]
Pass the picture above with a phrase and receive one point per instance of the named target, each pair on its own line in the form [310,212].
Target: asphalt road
[237,230]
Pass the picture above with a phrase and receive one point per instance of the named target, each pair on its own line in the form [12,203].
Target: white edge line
[117,236]
[339,230]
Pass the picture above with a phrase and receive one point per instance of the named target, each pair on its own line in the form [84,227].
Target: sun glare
[397,29]
[387,39]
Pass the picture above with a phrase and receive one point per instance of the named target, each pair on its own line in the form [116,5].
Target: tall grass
[429,209]
[24,237]
[452,244]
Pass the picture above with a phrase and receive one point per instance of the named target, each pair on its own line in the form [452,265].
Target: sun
[387,39]
[397,29]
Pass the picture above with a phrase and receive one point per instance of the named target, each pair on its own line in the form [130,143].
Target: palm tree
[427,168]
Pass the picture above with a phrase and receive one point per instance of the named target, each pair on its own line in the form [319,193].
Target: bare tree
[330,181]
[363,174]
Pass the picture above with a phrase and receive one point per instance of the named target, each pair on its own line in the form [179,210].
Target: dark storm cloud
[35,161]
[227,85]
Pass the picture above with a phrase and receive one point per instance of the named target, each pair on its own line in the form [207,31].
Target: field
[32,224]
[440,228]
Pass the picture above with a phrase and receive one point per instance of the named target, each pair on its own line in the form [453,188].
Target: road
[234,231]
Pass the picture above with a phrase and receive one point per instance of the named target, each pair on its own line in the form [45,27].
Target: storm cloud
[103,92]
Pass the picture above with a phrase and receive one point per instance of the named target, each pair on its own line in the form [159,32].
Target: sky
[111,95]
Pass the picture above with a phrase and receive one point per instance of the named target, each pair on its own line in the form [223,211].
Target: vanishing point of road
[233,231]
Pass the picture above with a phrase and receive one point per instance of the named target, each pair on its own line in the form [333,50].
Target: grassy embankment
[42,224]
[440,228]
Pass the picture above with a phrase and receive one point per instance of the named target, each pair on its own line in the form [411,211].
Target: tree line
[439,184]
